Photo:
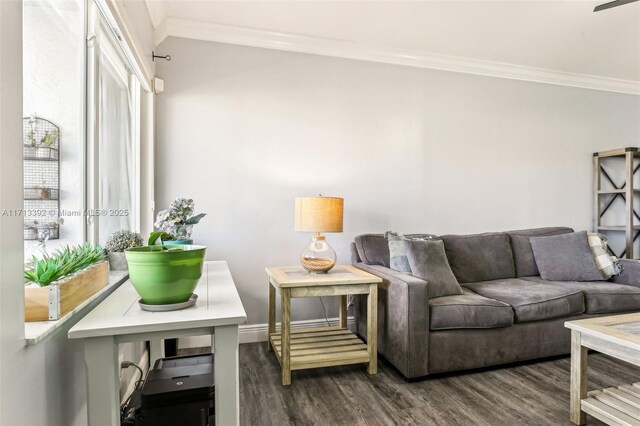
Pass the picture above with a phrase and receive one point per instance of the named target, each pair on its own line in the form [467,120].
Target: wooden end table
[323,346]
[619,337]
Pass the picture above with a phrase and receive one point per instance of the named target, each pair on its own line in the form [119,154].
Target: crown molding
[173,27]
[157,12]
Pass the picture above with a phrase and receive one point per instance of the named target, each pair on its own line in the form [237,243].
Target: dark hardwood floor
[535,394]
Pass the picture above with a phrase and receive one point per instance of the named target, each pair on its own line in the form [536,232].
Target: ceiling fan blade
[611,4]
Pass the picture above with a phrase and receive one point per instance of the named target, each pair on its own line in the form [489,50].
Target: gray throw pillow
[565,257]
[428,261]
[397,254]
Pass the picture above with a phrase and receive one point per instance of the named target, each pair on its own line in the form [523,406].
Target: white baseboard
[143,363]
[252,333]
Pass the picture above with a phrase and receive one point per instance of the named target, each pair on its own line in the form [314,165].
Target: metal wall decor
[41,165]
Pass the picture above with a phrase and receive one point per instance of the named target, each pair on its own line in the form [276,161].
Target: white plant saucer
[170,307]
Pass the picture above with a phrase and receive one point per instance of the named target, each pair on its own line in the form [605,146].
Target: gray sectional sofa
[507,313]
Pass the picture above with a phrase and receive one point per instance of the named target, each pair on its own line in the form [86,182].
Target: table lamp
[318,214]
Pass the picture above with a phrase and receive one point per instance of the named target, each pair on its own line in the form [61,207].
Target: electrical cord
[325,311]
[124,412]
[127,364]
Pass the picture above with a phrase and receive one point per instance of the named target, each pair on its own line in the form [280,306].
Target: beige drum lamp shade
[318,214]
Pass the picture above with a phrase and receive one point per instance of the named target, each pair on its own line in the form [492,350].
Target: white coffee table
[119,319]
[619,337]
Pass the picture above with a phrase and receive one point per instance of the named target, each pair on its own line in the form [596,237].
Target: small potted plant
[48,230]
[43,147]
[117,243]
[175,224]
[42,191]
[50,139]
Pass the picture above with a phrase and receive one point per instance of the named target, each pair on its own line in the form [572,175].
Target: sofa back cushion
[521,246]
[480,257]
[373,249]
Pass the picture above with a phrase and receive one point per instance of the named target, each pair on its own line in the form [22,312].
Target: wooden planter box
[56,300]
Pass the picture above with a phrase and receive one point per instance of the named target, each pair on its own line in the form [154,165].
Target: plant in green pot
[165,275]
[117,243]
[175,224]
[167,271]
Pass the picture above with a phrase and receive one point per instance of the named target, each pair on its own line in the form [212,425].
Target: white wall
[245,130]
[11,292]
[42,384]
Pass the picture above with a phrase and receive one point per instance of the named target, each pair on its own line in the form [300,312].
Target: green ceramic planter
[164,275]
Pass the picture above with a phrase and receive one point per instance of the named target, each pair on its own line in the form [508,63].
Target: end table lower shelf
[322,347]
[614,406]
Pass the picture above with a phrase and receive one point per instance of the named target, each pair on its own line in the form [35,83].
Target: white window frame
[99,15]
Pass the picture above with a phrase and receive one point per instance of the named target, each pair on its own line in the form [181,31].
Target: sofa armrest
[355,258]
[630,273]
[403,320]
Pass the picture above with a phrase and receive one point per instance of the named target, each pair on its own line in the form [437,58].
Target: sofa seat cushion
[480,257]
[601,297]
[530,300]
[522,251]
[468,310]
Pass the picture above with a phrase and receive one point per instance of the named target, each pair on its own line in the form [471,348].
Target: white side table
[119,319]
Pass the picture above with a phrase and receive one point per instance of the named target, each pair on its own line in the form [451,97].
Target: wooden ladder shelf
[604,198]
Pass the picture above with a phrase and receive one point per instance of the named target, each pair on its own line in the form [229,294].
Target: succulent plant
[62,263]
[121,240]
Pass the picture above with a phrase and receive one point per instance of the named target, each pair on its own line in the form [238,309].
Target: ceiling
[560,35]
